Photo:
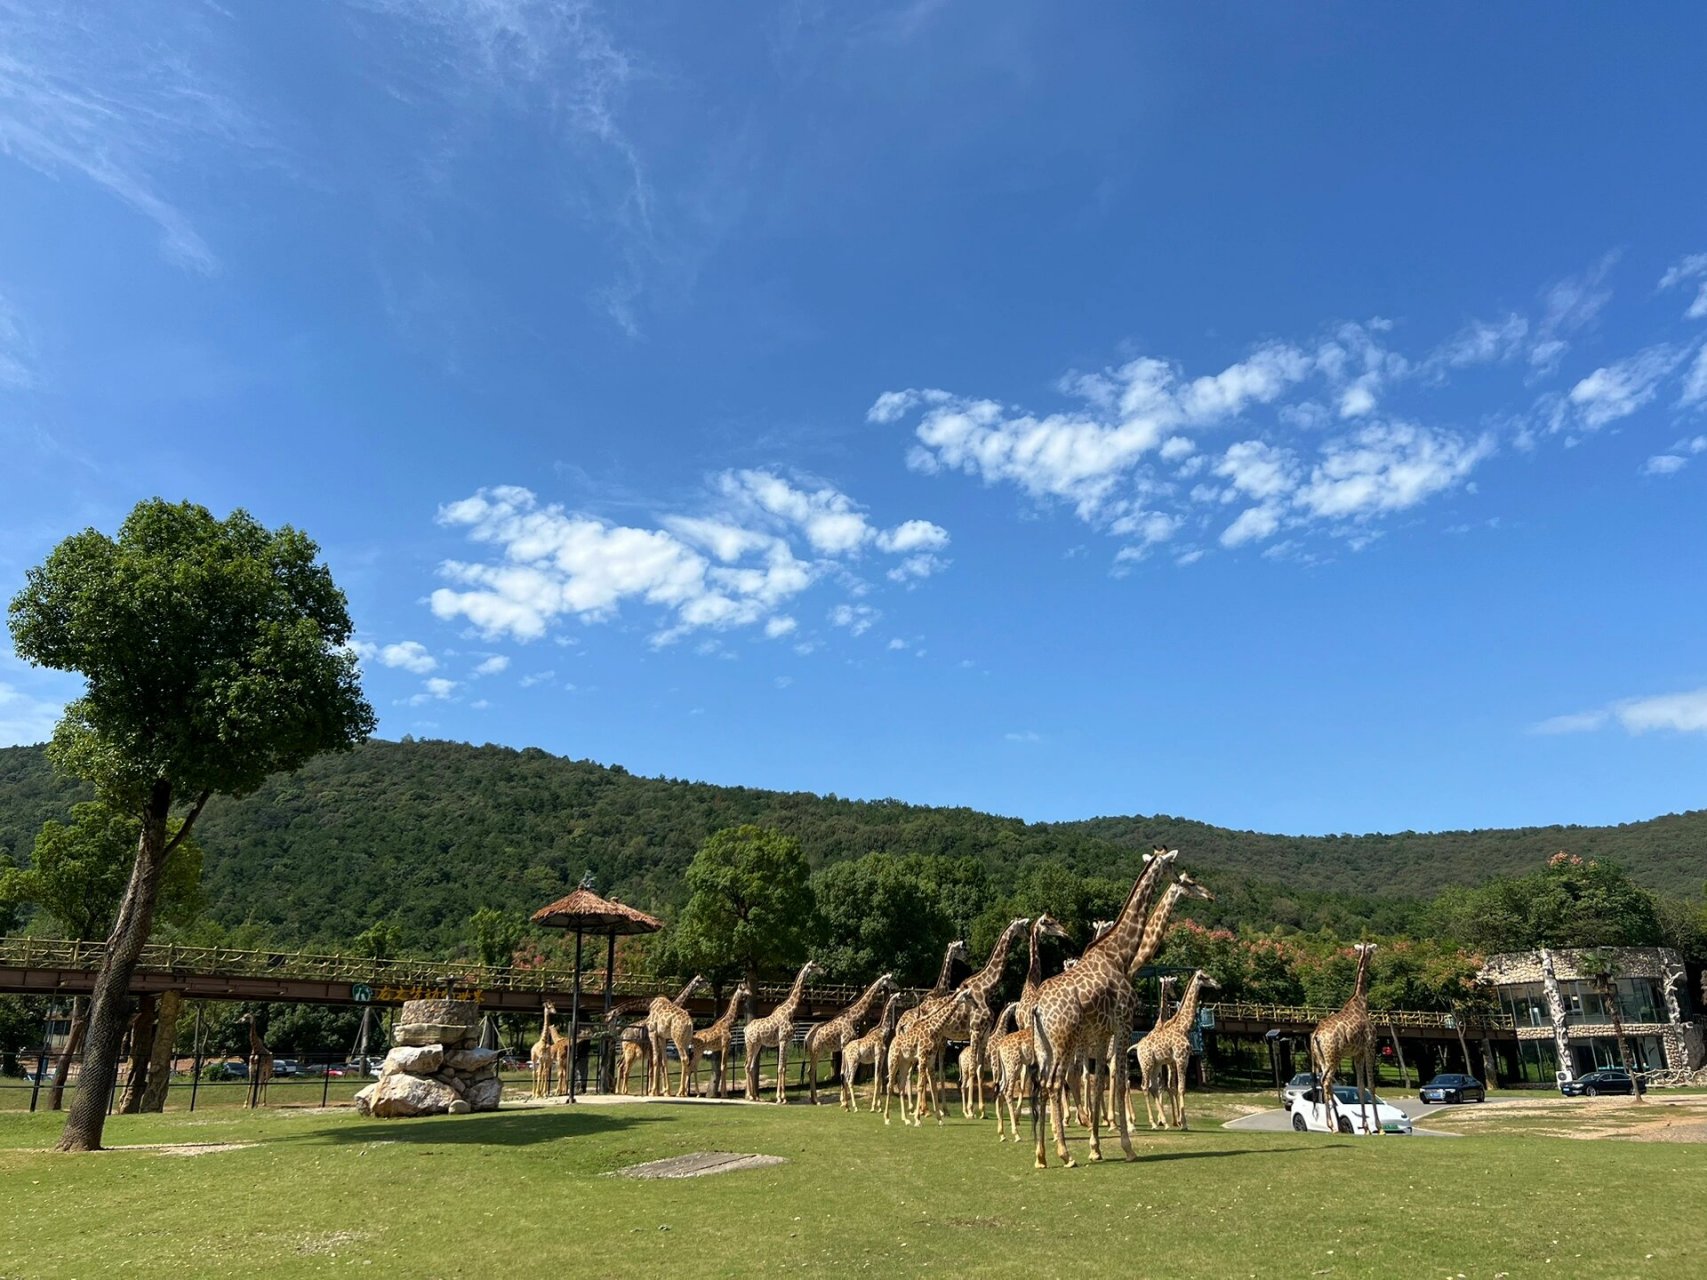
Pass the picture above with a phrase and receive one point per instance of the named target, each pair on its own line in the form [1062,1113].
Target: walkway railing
[1278,1014]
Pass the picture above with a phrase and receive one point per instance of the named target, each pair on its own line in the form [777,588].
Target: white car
[1310,1115]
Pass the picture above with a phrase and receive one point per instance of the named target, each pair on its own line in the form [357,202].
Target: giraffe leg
[782,1070]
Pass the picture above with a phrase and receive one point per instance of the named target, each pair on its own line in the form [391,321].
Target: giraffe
[776,1029]
[636,1051]
[716,1039]
[869,1048]
[260,1066]
[667,1023]
[1349,1030]
[1086,1013]
[1045,926]
[1170,1054]
[973,1024]
[827,1038]
[541,1055]
[1148,1053]
[917,1048]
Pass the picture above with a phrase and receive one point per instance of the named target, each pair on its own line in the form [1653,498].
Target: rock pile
[436,1066]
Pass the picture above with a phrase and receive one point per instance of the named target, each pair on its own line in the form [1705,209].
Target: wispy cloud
[122,96]
[1689,271]
[1684,712]
[25,719]
[17,355]
[435,689]
[759,542]
[1665,464]
[1617,390]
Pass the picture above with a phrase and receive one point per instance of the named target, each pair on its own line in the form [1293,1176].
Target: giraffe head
[743,991]
[1100,928]
[694,984]
[1193,889]
[885,982]
[1206,983]
[1016,926]
[1047,926]
[957,951]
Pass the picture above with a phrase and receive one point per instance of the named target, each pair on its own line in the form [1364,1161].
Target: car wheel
[1345,1124]
[1298,1124]
[1591,1092]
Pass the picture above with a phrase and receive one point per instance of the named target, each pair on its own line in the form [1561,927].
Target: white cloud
[1023,735]
[1671,712]
[1678,712]
[537,677]
[897,643]
[733,568]
[1388,467]
[408,655]
[1568,306]
[1253,525]
[1692,268]
[434,689]
[25,720]
[493,665]
[1617,390]
[1664,464]
[857,618]
[17,356]
[1484,342]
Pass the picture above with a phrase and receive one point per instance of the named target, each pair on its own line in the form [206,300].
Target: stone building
[1561,1019]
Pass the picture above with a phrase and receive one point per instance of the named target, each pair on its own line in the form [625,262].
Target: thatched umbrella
[585,912]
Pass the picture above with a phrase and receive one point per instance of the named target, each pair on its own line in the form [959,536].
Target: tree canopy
[750,908]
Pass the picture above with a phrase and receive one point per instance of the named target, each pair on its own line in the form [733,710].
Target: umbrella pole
[607,1050]
[575,1017]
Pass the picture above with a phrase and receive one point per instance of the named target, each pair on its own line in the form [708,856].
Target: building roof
[586,911]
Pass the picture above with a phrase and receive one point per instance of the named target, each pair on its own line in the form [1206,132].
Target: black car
[1605,1080]
[1450,1088]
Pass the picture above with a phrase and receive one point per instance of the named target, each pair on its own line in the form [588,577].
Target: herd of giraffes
[1063,1043]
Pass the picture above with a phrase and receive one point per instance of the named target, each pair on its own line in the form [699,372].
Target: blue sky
[1289,417]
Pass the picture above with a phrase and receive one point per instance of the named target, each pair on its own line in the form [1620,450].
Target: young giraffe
[775,1029]
[716,1039]
[868,1049]
[636,1052]
[1172,1053]
[667,1022]
[973,1024]
[1011,1059]
[827,1038]
[1349,1030]
[540,1056]
[916,1049]
[260,1066]
[1148,1053]
[1081,1012]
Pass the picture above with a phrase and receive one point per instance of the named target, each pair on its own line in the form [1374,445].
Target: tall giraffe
[540,1056]
[1349,1030]
[1081,1013]
[667,1023]
[944,983]
[915,1050]
[871,1049]
[1045,926]
[776,1029]
[716,1039]
[1167,1050]
[827,1038]
[260,1066]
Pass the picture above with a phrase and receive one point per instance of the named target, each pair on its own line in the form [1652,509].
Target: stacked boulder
[436,1067]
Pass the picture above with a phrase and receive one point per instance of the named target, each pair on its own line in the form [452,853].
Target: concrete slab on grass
[699,1165]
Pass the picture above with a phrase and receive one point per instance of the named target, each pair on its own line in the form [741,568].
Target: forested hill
[425,832]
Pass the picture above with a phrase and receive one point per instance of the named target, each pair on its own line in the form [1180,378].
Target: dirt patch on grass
[327,1243]
[1657,1120]
[698,1165]
[186,1148]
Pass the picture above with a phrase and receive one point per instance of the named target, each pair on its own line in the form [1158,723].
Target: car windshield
[1450,1080]
[1348,1093]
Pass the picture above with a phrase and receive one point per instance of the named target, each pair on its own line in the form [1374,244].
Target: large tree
[751,907]
[214,653]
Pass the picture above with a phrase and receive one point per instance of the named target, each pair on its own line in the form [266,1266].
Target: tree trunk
[165,1049]
[1556,1014]
[1399,1053]
[141,1053]
[1609,998]
[73,1045]
[88,1115]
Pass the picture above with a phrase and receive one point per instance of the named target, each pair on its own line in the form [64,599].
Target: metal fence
[318,1079]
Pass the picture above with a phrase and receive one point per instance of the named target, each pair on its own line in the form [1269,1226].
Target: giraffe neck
[1034,967]
[1186,1014]
[946,977]
[733,1012]
[1162,1001]
[1127,933]
[985,980]
[693,986]
[1360,988]
[857,1011]
[936,1019]
[1156,928]
[890,1008]
[791,1002]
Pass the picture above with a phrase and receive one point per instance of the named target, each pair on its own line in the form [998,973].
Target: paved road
[1278,1121]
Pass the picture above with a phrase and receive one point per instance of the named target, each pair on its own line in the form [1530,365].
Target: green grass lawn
[526,1192]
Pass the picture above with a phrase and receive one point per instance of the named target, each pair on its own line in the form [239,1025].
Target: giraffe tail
[1045,1054]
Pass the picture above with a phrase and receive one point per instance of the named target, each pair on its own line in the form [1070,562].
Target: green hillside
[424,832]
